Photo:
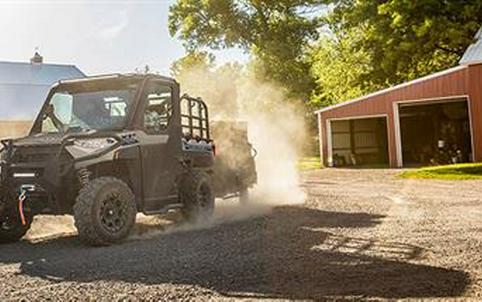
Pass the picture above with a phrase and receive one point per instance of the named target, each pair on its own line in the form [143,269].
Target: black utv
[106,148]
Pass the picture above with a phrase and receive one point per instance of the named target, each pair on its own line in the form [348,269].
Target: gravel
[361,234]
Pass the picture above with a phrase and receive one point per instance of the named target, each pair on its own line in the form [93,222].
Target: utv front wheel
[197,196]
[105,211]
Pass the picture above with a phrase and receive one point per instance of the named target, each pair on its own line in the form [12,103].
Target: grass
[309,163]
[450,172]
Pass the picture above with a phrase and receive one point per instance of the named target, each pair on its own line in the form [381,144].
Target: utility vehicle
[108,147]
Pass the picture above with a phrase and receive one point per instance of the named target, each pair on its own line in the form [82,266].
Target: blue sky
[97,36]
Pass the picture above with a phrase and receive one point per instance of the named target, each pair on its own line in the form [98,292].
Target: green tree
[341,70]
[193,60]
[374,44]
[276,32]
[366,44]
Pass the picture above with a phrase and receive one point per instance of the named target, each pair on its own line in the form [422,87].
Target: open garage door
[435,132]
[359,142]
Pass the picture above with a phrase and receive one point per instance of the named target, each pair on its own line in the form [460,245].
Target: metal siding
[474,86]
[449,84]
[323,140]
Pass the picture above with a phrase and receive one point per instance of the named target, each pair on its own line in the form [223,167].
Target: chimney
[36,59]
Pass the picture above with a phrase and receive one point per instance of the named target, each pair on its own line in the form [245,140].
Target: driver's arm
[50,112]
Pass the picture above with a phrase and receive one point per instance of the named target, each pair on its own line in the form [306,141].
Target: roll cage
[190,115]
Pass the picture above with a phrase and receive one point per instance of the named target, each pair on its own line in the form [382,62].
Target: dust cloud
[276,126]
[227,211]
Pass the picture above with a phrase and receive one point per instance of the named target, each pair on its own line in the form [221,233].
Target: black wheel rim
[113,213]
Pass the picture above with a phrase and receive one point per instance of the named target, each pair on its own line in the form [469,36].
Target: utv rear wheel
[105,211]
[12,229]
[197,196]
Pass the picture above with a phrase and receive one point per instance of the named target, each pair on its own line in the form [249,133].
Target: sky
[97,36]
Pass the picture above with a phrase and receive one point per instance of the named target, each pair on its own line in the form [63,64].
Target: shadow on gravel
[287,254]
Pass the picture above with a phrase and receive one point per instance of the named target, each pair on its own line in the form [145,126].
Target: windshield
[81,111]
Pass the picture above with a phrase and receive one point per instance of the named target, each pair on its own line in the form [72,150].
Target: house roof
[473,54]
[24,86]
[19,73]
[380,92]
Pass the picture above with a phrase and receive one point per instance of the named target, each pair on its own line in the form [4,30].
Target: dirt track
[361,234]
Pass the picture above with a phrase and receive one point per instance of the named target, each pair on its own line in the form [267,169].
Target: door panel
[157,172]
[158,148]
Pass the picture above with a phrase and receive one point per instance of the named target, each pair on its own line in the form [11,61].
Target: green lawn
[449,172]
[309,163]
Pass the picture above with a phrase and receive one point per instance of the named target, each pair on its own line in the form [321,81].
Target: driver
[156,117]
[96,116]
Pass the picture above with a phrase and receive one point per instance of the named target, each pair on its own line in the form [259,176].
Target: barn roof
[473,54]
[400,86]
[24,86]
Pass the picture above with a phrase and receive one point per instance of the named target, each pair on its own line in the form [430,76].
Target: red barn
[436,119]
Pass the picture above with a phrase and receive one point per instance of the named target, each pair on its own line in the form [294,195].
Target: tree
[274,31]
[447,26]
[340,69]
[366,45]
[192,60]
[375,44]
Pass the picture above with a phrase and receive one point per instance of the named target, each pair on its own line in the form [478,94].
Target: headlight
[95,143]
[83,147]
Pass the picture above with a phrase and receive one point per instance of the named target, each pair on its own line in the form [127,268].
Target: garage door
[359,142]
[435,132]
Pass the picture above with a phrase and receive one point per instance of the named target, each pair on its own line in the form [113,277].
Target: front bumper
[42,182]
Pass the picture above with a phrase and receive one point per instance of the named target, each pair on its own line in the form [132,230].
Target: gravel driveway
[360,234]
